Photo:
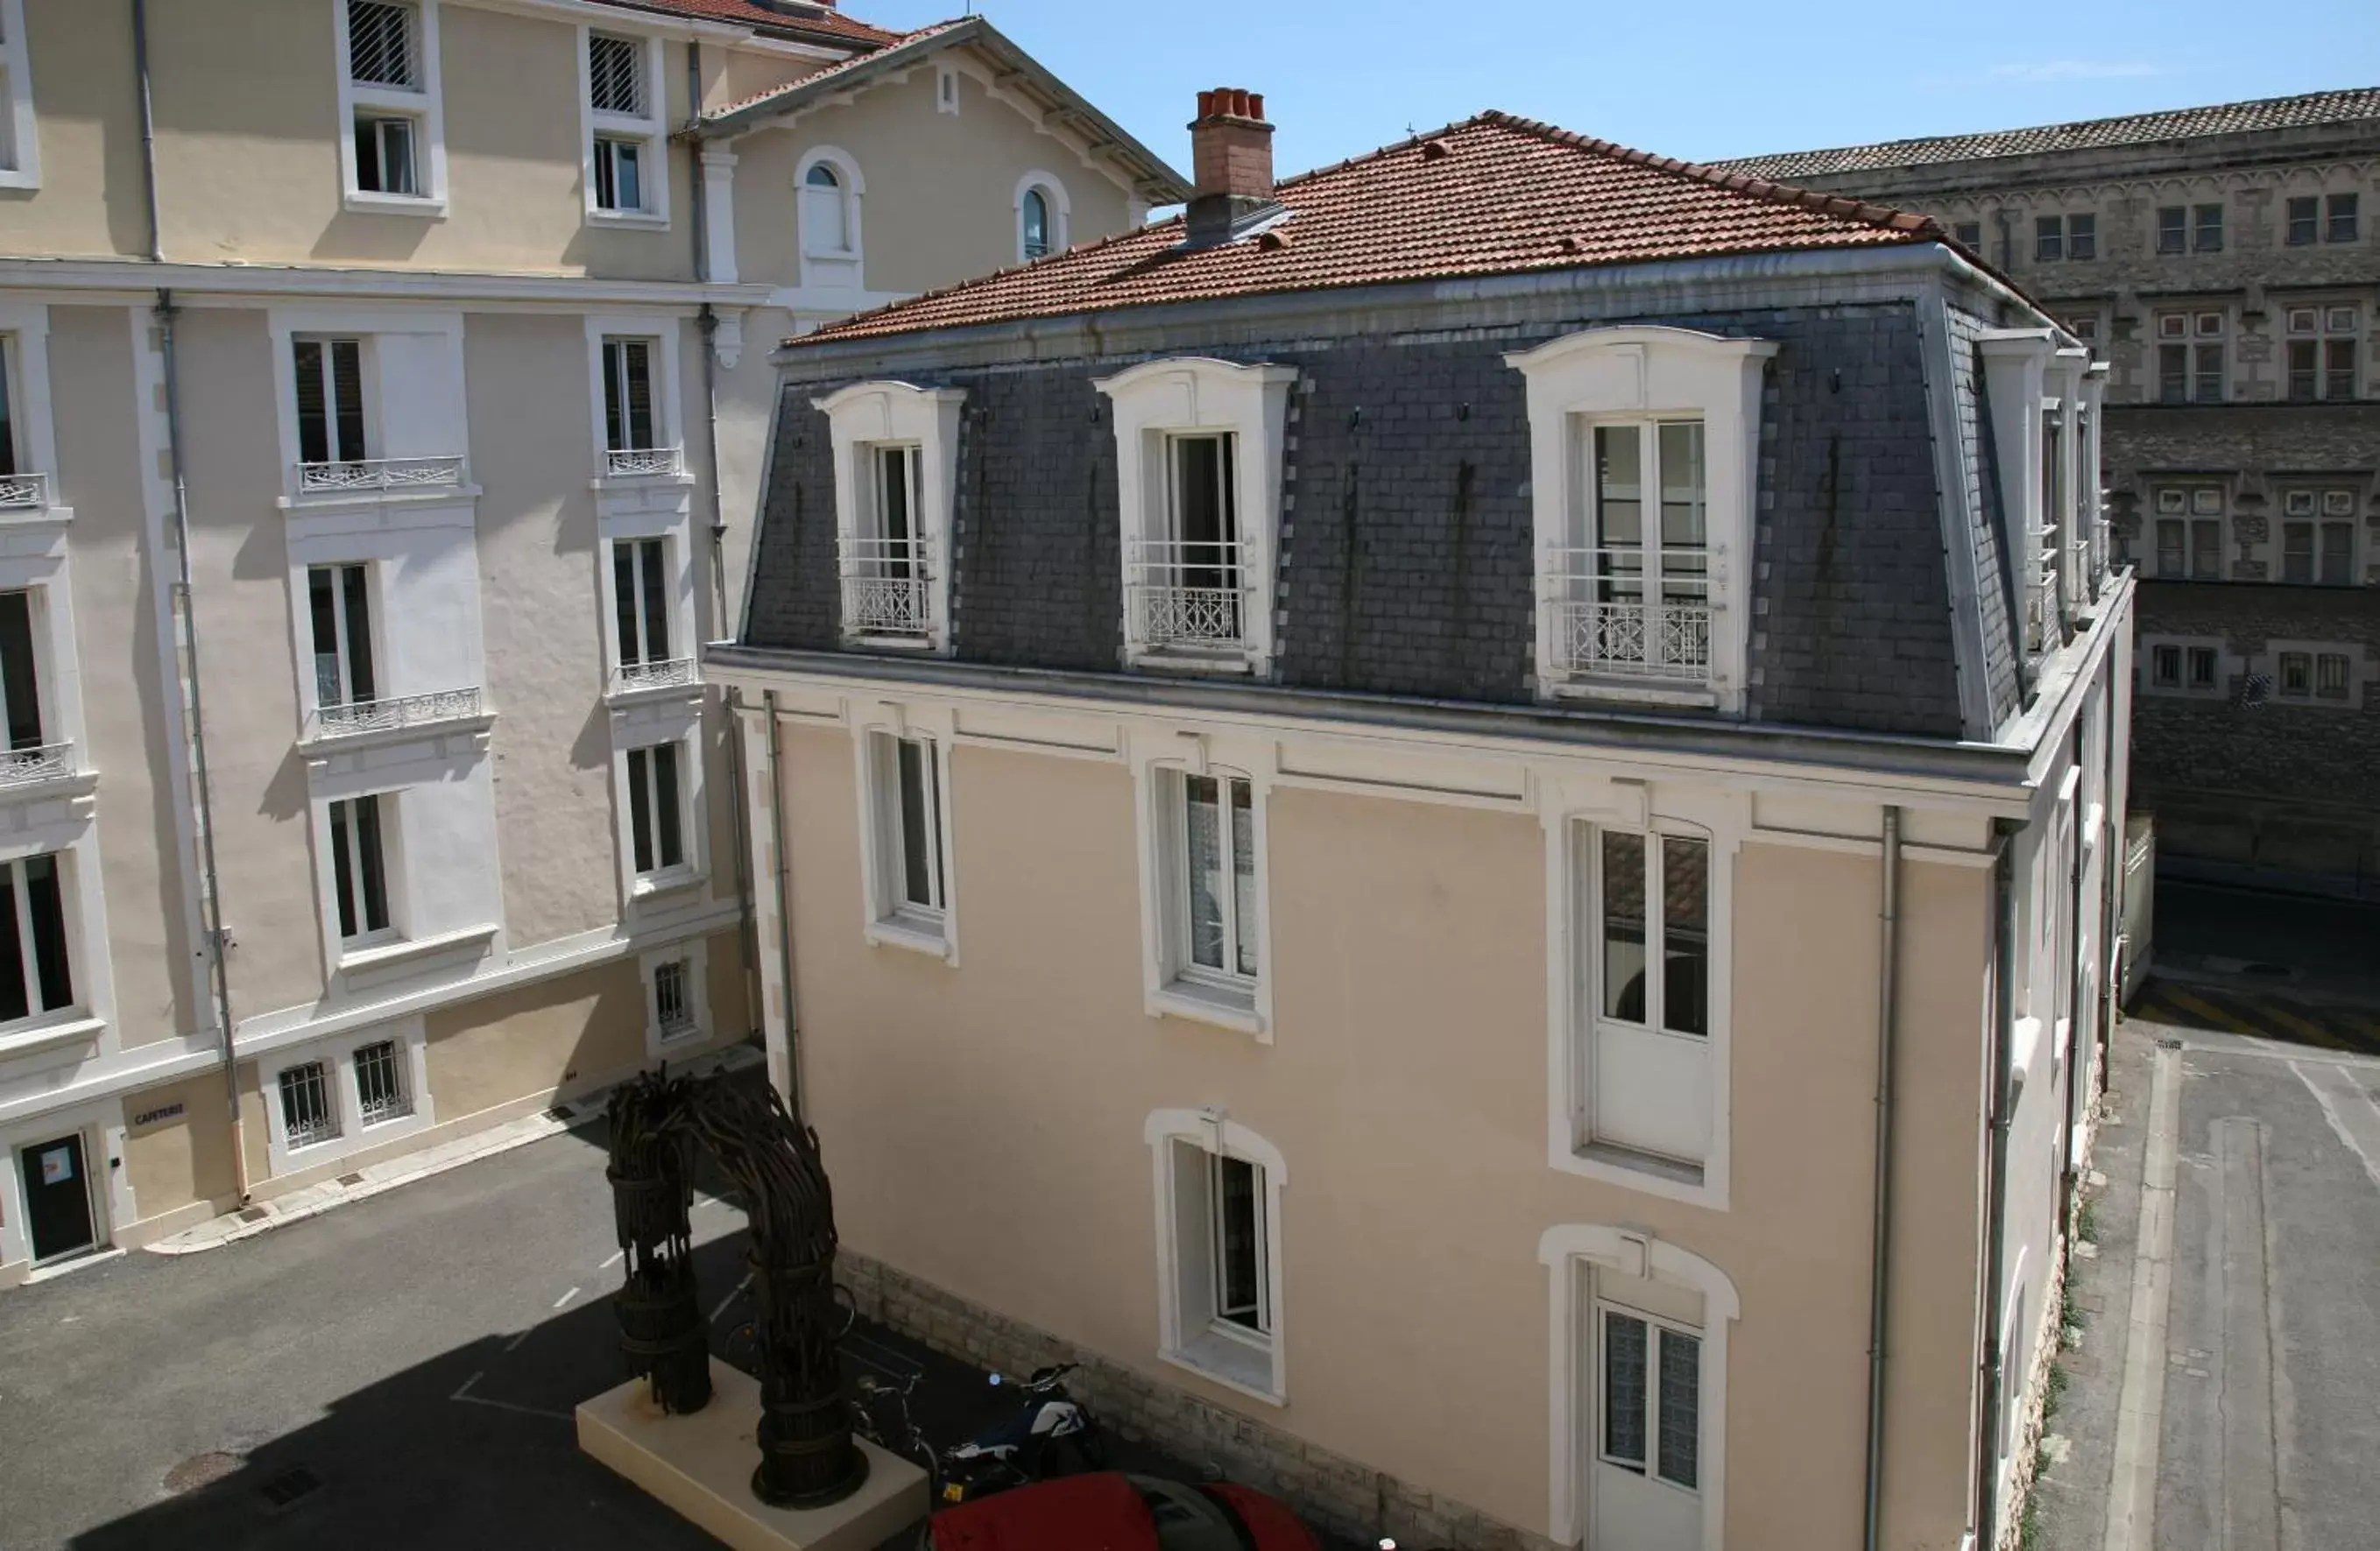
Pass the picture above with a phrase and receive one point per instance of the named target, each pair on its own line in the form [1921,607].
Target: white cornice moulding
[198,283]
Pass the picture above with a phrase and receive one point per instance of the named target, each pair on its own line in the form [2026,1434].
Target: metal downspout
[785,916]
[1880,1277]
[221,971]
[148,130]
[1995,1212]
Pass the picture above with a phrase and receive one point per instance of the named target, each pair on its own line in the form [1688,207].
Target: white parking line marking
[566,1298]
[2347,1122]
[464,1394]
[613,1259]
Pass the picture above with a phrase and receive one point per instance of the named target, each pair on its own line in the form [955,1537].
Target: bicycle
[906,1438]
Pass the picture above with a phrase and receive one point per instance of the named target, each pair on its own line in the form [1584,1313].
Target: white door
[1645,1482]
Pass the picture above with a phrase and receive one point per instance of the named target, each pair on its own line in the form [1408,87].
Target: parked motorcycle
[1050,1434]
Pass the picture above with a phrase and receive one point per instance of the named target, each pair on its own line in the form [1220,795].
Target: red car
[1111,1512]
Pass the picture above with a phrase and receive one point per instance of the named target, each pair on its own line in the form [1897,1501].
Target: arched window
[826,224]
[1037,224]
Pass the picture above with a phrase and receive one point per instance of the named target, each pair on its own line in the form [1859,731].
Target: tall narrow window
[1036,217]
[1219,1247]
[330,376]
[390,96]
[2082,236]
[2304,222]
[826,215]
[883,562]
[309,1109]
[2173,229]
[1243,1293]
[8,464]
[640,600]
[2172,549]
[2207,229]
[2165,667]
[2330,675]
[2343,222]
[359,870]
[2205,551]
[1219,874]
[1652,1398]
[339,599]
[379,1082]
[1639,960]
[919,783]
[628,395]
[2204,667]
[656,811]
[2049,238]
[36,975]
[1656,889]
[2296,674]
[617,96]
[20,679]
[673,998]
[1640,602]
[1192,592]
[907,854]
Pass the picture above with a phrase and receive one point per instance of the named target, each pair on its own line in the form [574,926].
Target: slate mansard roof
[1493,195]
[2141,129]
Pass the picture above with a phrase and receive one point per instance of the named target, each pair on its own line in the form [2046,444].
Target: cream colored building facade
[419,341]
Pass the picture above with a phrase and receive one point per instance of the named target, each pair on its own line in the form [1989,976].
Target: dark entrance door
[57,1198]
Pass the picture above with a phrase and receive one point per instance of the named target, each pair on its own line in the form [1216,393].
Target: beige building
[1491,711]
[376,427]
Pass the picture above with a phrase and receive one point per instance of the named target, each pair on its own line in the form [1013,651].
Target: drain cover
[356,1178]
[289,1485]
[253,1214]
[201,1470]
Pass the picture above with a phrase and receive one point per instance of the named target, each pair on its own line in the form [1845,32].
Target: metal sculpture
[659,1126]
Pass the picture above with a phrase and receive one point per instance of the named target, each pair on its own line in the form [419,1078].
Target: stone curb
[327,1195]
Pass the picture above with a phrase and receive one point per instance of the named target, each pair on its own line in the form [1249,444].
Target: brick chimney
[1231,153]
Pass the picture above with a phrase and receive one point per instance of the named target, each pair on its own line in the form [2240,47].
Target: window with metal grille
[2343,222]
[20,679]
[673,998]
[615,75]
[2202,665]
[385,158]
[339,599]
[309,1110]
[656,810]
[2165,667]
[628,395]
[1652,1397]
[2296,674]
[358,870]
[640,600]
[36,974]
[2330,675]
[382,44]
[330,380]
[380,1083]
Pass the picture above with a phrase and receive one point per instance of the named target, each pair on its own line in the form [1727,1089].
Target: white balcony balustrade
[24,493]
[1613,619]
[22,767]
[886,592]
[1189,595]
[640,462]
[664,673]
[395,713]
[361,475]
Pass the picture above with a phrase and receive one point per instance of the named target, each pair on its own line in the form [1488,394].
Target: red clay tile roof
[1504,194]
[2222,118]
[841,67]
[825,23]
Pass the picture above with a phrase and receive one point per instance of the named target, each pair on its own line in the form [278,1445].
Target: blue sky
[1725,77]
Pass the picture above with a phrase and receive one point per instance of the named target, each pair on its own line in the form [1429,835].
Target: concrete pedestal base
[701,1466]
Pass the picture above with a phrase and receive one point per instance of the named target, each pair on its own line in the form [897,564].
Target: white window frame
[1640,373]
[650,129]
[694,954]
[1571,809]
[840,269]
[2361,670]
[425,108]
[337,1053]
[2323,502]
[86,1027]
[860,419]
[1570,1253]
[1060,208]
[1155,401]
[946,88]
[687,870]
[18,136]
[364,948]
[2145,658]
[1187,1337]
[1171,985]
[889,919]
[2188,490]
[668,465]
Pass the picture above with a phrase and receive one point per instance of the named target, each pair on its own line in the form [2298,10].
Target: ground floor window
[310,1109]
[1220,1248]
[379,1082]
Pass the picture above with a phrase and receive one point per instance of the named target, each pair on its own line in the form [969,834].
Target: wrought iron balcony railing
[885,588]
[1611,617]
[396,712]
[24,493]
[45,762]
[1189,595]
[664,673]
[633,461]
[379,474]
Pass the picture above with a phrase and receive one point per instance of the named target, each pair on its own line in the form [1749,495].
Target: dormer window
[1641,445]
[1198,449]
[895,460]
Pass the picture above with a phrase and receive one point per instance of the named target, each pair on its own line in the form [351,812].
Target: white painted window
[830,194]
[657,811]
[1043,216]
[21,634]
[946,89]
[627,394]
[2318,530]
[1641,449]
[673,999]
[1651,1375]
[339,603]
[1204,894]
[622,113]
[21,162]
[895,454]
[333,424]
[1218,1189]
[1643,957]
[2324,351]
[906,831]
[382,1091]
[2182,665]
[1199,446]
[36,965]
[2191,357]
[2189,532]
[309,1104]
[678,1003]
[394,160]
[361,848]
[642,587]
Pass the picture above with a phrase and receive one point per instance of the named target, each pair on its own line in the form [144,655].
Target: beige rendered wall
[1406,1089]
[126,693]
[89,131]
[565,1033]
[184,1159]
